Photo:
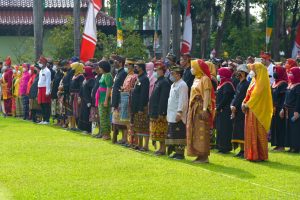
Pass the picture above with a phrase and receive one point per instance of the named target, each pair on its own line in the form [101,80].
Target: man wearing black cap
[34,107]
[177,115]
[115,100]
[139,106]
[185,63]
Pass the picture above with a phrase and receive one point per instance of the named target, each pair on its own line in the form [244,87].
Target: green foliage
[244,41]
[133,46]
[22,49]
[62,39]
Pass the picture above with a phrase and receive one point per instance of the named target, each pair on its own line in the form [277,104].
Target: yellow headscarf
[212,69]
[78,68]
[260,101]
[198,73]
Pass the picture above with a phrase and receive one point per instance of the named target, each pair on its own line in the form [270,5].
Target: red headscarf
[205,69]
[8,61]
[225,74]
[290,63]
[295,76]
[88,73]
[282,75]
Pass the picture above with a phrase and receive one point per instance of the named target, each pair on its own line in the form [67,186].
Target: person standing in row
[86,100]
[139,106]
[54,98]
[23,90]
[126,93]
[7,82]
[237,115]
[115,99]
[188,77]
[94,113]
[152,78]
[158,106]
[75,86]
[44,90]
[278,123]
[177,115]
[34,106]
[258,109]
[200,115]
[225,94]
[16,92]
[103,99]
[292,110]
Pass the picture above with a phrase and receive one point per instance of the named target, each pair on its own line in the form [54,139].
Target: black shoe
[179,157]
[170,150]
[173,156]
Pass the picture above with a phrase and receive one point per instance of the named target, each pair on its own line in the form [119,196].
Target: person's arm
[226,97]
[48,82]
[109,83]
[163,100]
[144,96]
[182,102]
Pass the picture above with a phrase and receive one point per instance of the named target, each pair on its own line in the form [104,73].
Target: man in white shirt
[44,90]
[177,115]
[266,60]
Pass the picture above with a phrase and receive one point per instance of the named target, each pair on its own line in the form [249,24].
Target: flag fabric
[89,37]
[296,49]
[270,20]
[157,14]
[186,44]
[119,25]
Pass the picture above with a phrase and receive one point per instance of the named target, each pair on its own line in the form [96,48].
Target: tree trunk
[247,12]
[165,26]
[206,31]
[222,29]
[294,26]
[176,28]
[140,22]
[277,30]
[38,17]
[76,15]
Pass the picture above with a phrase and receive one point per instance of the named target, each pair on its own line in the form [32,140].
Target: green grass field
[40,162]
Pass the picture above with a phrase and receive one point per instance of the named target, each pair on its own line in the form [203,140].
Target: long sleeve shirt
[24,83]
[178,101]
[140,94]
[45,80]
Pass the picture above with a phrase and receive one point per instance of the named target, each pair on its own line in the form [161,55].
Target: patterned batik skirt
[104,112]
[75,104]
[159,128]
[94,114]
[54,107]
[124,108]
[141,123]
[176,134]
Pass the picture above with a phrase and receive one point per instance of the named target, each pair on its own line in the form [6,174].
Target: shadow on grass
[280,166]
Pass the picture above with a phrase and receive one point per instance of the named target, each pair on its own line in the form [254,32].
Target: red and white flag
[89,37]
[186,44]
[296,49]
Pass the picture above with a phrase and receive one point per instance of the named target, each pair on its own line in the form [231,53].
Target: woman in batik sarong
[200,116]
[258,109]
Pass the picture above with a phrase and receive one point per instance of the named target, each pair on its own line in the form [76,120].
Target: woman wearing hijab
[103,97]
[152,78]
[75,86]
[225,94]
[200,115]
[86,100]
[292,110]
[278,93]
[30,82]
[237,116]
[258,109]
[23,89]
